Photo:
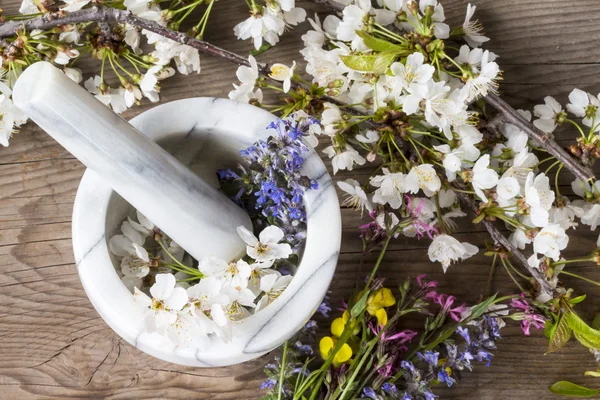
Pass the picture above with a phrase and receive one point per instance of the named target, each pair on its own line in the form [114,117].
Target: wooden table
[54,344]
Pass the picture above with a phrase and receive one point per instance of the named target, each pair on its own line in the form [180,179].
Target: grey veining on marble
[179,202]
[206,134]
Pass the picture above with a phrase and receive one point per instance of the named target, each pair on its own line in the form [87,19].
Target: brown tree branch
[546,140]
[501,240]
[331,4]
[106,14]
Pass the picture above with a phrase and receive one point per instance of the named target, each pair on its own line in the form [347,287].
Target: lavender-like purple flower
[271,181]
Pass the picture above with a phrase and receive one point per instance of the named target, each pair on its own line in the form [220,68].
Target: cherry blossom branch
[506,113]
[501,240]
[106,14]
[546,140]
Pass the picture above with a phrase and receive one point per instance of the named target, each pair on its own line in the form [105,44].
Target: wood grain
[55,346]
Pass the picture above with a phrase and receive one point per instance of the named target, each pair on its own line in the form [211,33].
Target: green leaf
[360,62]
[262,49]
[570,389]
[587,335]
[360,304]
[376,63]
[561,334]
[549,329]
[577,300]
[596,322]
[595,374]
[478,310]
[585,341]
[381,44]
[383,61]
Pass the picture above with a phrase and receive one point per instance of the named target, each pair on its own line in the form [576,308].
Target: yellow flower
[327,344]
[338,324]
[377,302]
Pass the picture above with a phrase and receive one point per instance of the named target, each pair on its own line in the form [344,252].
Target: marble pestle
[194,214]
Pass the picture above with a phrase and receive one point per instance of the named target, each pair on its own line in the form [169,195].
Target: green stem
[576,125]
[282,372]
[574,260]
[583,278]
[491,276]
[511,276]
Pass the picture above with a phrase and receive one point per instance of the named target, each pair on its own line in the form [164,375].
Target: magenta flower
[423,284]
[372,231]
[446,302]
[527,315]
[401,337]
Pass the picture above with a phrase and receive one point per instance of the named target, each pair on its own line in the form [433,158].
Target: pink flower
[372,231]
[446,302]
[527,315]
[423,284]
[397,340]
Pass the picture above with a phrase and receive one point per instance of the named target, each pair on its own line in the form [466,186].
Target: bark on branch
[501,240]
[331,4]
[546,140]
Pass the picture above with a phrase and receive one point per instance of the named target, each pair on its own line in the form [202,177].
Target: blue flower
[324,309]
[390,388]
[310,328]
[303,349]
[464,332]
[429,357]
[407,365]
[369,393]
[269,384]
[445,377]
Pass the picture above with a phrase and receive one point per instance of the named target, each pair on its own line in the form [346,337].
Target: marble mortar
[205,134]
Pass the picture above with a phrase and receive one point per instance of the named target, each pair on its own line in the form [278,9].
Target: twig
[546,140]
[332,4]
[106,14]
[503,241]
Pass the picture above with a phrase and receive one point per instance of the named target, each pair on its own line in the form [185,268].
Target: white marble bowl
[205,134]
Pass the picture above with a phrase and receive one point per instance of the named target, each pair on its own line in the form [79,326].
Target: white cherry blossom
[483,177]
[548,114]
[425,178]
[162,309]
[266,247]
[446,250]
[591,216]
[391,188]
[261,25]
[283,73]
[584,105]
[272,285]
[550,241]
[355,196]
[345,159]
[473,30]
[484,82]
[414,71]
[452,160]
[508,189]
[539,197]
[10,118]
